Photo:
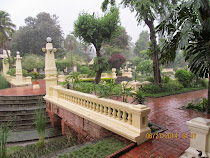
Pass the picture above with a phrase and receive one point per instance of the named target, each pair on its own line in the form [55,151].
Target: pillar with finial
[19,73]
[50,67]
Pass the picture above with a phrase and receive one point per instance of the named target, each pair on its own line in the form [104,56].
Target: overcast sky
[67,11]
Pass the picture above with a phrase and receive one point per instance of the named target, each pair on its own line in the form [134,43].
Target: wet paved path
[24,91]
[165,112]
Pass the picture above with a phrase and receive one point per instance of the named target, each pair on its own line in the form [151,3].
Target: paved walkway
[165,112]
[23,91]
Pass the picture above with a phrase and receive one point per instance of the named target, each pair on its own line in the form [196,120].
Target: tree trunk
[99,72]
[156,69]
[208,105]
[10,63]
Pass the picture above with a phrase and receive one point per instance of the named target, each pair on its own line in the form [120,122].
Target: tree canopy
[31,38]
[7,28]
[189,28]
[142,43]
[97,30]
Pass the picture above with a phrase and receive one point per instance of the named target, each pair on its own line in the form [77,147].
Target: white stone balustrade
[200,138]
[127,120]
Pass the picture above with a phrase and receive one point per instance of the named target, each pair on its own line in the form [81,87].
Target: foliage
[147,11]
[40,122]
[189,28]
[3,82]
[145,67]
[31,150]
[117,60]
[200,105]
[183,77]
[101,149]
[61,65]
[151,88]
[142,43]
[126,92]
[107,89]
[92,80]
[71,80]
[86,70]
[4,133]
[150,79]
[139,97]
[100,63]
[12,72]
[172,86]
[34,75]
[166,79]
[31,61]
[31,38]
[96,30]
[7,29]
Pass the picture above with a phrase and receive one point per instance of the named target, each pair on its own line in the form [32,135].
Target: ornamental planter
[36,85]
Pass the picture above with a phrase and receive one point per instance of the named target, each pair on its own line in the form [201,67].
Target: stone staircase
[20,112]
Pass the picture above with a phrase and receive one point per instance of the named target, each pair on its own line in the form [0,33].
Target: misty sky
[67,11]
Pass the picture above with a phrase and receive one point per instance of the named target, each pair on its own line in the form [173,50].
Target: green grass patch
[100,150]
[184,90]
[13,149]
[31,150]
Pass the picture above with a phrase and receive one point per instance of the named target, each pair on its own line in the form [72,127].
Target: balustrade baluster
[114,113]
[101,108]
[124,116]
[97,108]
[119,114]
[109,111]
[105,110]
[129,118]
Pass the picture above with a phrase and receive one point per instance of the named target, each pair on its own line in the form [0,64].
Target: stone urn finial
[49,40]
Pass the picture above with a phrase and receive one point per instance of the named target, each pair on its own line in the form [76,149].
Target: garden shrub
[200,105]
[150,79]
[61,65]
[92,80]
[183,77]
[151,89]
[166,79]
[3,82]
[172,86]
[202,82]
[86,70]
[12,72]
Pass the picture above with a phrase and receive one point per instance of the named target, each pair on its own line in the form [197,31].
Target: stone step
[21,97]
[19,105]
[30,135]
[8,117]
[25,127]
[18,118]
[17,102]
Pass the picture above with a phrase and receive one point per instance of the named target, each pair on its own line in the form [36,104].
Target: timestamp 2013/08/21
[170,135]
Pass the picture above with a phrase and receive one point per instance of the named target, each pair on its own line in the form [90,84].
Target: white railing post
[50,67]
[199,137]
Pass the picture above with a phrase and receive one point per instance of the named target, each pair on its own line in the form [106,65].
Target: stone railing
[127,120]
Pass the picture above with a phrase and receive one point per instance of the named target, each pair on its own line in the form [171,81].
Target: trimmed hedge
[93,79]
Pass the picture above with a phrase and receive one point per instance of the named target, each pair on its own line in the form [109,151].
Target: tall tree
[147,11]
[7,28]
[189,28]
[31,38]
[96,30]
[142,43]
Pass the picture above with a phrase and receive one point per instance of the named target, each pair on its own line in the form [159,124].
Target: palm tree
[147,11]
[7,28]
[189,28]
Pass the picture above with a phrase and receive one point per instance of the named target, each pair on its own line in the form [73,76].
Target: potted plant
[34,76]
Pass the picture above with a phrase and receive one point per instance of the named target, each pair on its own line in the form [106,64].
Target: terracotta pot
[35,82]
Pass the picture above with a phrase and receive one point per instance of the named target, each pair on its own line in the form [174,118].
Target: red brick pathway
[165,112]
[26,90]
